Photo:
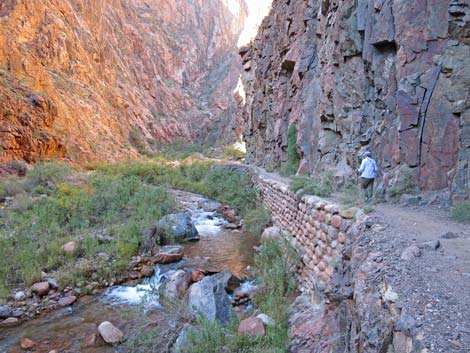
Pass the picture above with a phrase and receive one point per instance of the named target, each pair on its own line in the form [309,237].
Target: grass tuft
[461,212]
[293,160]
[319,186]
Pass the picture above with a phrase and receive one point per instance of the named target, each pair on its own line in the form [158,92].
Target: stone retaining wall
[317,228]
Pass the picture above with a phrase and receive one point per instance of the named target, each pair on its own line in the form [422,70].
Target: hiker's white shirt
[368,168]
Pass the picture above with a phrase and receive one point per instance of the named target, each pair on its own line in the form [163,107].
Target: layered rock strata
[126,76]
[390,76]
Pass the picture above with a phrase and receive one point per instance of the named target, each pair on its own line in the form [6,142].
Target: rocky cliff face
[26,120]
[124,75]
[391,76]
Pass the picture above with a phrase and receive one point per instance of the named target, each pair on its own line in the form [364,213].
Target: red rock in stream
[27,343]
[170,253]
[147,271]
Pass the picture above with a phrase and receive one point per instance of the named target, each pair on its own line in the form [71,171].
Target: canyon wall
[122,76]
[390,76]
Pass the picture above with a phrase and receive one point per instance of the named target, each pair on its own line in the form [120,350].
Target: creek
[66,330]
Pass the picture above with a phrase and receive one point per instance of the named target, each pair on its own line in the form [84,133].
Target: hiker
[368,171]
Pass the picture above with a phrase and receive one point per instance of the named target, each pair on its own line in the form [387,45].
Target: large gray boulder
[210,299]
[177,226]
[176,285]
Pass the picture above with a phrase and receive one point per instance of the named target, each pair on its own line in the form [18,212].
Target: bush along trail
[68,233]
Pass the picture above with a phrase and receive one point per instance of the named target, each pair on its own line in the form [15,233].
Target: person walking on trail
[368,171]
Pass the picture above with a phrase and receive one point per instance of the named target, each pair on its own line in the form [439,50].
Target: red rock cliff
[120,71]
[392,76]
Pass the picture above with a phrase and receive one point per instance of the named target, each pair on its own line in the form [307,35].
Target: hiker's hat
[366,153]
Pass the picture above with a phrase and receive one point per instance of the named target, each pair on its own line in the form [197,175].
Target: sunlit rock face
[389,76]
[125,75]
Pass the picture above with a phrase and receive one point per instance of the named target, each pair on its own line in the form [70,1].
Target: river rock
[110,333]
[9,321]
[271,233]
[176,285]
[169,253]
[69,247]
[147,271]
[19,296]
[178,226]
[40,288]
[27,343]
[209,297]
[53,283]
[252,326]
[5,312]
[67,301]
[89,341]
[197,275]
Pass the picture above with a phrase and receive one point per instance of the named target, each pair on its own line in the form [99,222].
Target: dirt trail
[433,287]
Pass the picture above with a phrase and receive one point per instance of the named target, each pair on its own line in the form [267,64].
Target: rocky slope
[391,76]
[123,75]
[26,120]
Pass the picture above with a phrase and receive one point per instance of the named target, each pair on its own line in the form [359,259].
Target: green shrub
[461,212]
[48,173]
[406,184]
[120,206]
[352,196]
[232,188]
[293,160]
[10,187]
[233,153]
[319,186]
[256,220]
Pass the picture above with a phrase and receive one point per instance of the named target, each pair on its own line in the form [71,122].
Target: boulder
[5,312]
[228,214]
[271,233]
[40,288]
[430,245]
[252,326]
[169,253]
[9,321]
[177,226]
[67,301]
[410,253]
[209,297]
[197,275]
[70,247]
[110,333]
[176,285]
[147,271]
[27,343]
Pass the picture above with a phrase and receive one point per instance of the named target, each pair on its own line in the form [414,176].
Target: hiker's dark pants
[368,187]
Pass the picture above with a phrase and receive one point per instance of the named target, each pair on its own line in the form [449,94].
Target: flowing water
[65,330]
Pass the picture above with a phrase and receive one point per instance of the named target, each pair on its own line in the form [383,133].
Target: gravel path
[434,285]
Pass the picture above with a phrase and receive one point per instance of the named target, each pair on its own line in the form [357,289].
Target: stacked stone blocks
[317,229]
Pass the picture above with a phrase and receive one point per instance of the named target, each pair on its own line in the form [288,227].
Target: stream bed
[67,330]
